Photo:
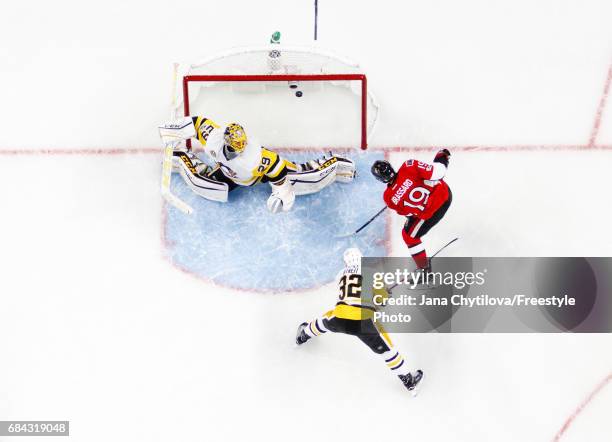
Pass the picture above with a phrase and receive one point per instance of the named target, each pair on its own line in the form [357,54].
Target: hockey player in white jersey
[241,161]
[353,316]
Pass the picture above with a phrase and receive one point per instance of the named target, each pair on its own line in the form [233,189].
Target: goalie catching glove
[282,197]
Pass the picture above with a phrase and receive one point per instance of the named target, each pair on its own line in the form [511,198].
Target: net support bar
[313,77]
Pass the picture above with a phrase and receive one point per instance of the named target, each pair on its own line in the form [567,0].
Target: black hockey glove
[442,157]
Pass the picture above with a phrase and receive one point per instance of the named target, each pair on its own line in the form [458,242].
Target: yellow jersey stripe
[345,311]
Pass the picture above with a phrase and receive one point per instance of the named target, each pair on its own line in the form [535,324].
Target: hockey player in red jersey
[418,192]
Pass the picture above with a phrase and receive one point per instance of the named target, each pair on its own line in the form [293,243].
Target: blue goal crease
[240,244]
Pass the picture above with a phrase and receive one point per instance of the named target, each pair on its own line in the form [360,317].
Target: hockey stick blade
[176,202]
[348,235]
[166,175]
[443,247]
[432,257]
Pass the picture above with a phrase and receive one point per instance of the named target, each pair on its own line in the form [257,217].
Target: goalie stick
[166,177]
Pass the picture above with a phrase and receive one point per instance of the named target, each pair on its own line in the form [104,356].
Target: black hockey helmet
[383,171]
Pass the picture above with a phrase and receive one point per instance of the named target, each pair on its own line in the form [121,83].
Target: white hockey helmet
[352,257]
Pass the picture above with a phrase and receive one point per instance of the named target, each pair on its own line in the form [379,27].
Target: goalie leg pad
[305,183]
[313,179]
[199,183]
[346,170]
[177,160]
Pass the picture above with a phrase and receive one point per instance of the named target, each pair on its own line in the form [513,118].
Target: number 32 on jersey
[350,286]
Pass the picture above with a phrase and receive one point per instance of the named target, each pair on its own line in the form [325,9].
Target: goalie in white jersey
[353,316]
[241,161]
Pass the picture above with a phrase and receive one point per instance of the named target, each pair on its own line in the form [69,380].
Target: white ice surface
[97,327]
[469,72]
[593,422]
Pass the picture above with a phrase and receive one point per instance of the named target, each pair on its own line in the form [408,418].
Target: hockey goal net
[286,96]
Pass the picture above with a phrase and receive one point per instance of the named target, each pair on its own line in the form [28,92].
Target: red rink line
[600,109]
[84,151]
[581,407]
[452,148]
[591,145]
[386,150]
[485,148]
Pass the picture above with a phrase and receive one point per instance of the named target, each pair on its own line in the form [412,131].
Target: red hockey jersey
[418,189]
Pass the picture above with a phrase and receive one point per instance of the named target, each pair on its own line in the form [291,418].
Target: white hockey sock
[315,328]
[395,362]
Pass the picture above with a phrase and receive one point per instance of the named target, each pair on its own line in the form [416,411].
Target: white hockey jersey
[246,169]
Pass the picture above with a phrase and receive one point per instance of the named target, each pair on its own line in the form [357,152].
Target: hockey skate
[412,381]
[423,279]
[301,336]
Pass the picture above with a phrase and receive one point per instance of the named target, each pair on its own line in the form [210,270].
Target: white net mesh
[281,113]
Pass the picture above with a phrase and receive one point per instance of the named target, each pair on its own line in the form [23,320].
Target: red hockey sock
[421,260]
[416,249]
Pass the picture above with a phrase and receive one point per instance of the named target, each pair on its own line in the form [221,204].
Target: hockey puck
[298,94]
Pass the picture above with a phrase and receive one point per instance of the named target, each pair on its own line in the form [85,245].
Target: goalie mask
[383,171]
[235,140]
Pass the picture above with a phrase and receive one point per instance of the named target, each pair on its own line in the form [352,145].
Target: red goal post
[292,96]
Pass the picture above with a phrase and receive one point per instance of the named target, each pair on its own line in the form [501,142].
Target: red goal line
[428,148]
